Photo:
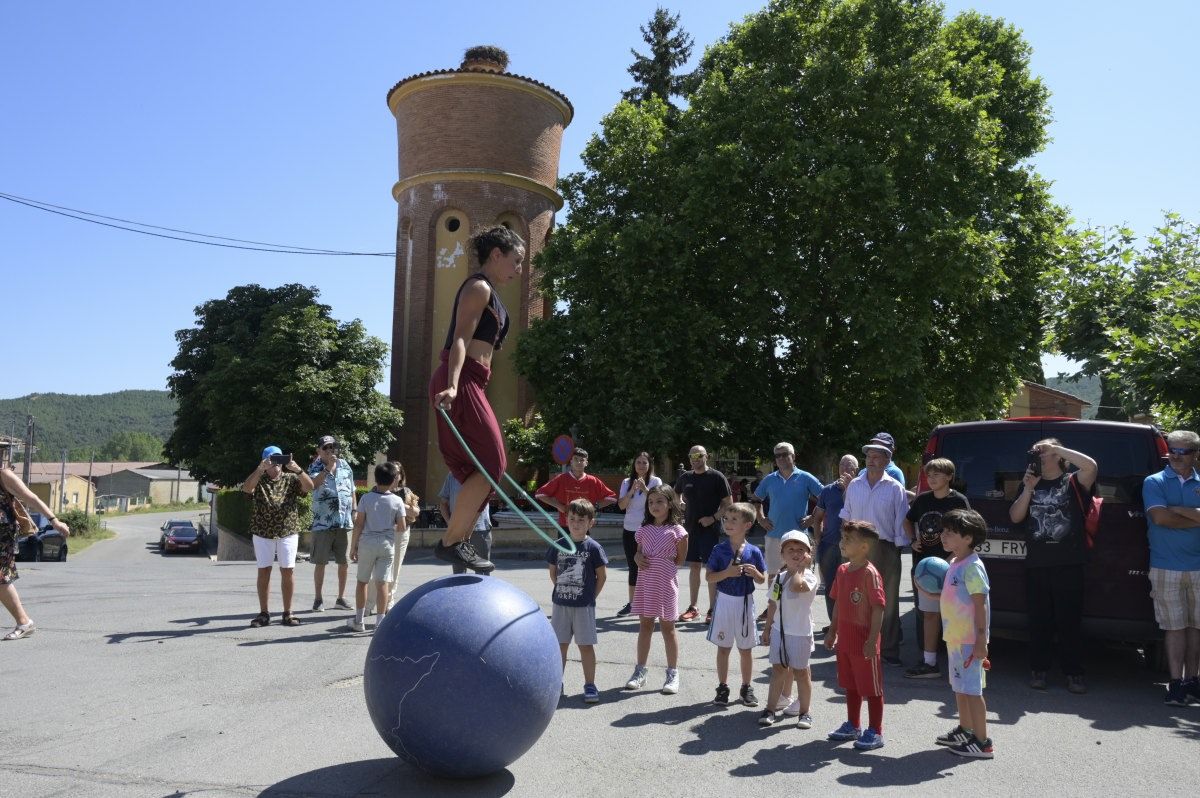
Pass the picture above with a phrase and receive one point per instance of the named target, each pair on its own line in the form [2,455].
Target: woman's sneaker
[1176,694]
[671,685]
[792,710]
[638,680]
[783,702]
[628,608]
[722,698]
[463,554]
[748,697]
[975,748]
[804,721]
[845,733]
[956,736]
[767,718]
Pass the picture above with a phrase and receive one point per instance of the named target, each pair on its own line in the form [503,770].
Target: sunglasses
[330,448]
[1180,451]
[697,456]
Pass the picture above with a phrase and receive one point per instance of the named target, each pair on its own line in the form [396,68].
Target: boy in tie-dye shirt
[966,620]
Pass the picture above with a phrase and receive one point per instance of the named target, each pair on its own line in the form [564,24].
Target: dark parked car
[990,457]
[45,545]
[181,536]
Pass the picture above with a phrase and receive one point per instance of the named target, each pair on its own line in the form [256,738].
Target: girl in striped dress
[661,549]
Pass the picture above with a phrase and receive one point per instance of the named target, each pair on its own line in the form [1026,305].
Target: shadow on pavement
[385,777]
[201,626]
[880,770]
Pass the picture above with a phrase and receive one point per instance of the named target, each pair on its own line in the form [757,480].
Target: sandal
[289,620]
[21,630]
[262,619]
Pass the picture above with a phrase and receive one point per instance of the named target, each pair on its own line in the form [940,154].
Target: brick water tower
[478,146]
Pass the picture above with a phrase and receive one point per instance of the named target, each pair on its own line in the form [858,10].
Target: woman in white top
[632,499]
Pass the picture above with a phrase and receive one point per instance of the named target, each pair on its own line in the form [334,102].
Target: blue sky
[267,121]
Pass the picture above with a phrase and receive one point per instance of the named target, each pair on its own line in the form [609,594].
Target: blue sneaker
[870,739]
[590,694]
[845,733]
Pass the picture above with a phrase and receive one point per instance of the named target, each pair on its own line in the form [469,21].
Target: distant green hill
[83,423]
[1087,389]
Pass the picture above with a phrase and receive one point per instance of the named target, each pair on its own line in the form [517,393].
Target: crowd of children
[736,567]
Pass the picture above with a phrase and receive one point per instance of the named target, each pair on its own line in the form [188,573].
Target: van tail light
[930,453]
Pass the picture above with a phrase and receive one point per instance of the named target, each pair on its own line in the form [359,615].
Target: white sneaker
[783,703]
[637,680]
[804,721]
[793,709]
[355,626]
[671,686]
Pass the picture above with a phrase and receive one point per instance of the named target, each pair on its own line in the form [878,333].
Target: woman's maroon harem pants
[473,417]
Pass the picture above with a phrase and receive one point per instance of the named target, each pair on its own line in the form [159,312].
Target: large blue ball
[463,675]
[930,574]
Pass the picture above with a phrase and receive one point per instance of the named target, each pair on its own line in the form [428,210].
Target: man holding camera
[275,488]
[1050,507]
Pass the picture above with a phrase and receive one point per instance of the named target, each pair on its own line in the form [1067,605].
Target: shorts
[1176,597]
[965,679]
[928,603]
[375,557]
[327,542]
[577,622]
[268,550]
[702,541]
[773,551]
[733,622]
[791,651]
[856,672]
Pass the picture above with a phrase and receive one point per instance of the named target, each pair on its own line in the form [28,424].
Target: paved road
[145,680]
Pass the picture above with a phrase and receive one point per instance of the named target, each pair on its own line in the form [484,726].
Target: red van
[990,459]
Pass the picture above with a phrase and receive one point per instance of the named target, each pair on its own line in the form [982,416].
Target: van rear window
[990,463]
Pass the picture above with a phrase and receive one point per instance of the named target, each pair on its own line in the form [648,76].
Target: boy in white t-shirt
[789,627]
[381,514]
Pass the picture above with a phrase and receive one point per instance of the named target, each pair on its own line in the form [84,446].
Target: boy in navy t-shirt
[578,579]
[736,567]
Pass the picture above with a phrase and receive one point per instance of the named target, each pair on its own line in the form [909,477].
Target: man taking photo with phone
[274,487]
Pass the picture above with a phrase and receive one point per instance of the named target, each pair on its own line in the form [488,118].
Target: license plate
[1003,549]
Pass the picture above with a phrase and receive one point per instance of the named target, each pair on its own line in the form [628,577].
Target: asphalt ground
[144,679]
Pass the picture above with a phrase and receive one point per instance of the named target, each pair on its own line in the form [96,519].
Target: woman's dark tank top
[493,322]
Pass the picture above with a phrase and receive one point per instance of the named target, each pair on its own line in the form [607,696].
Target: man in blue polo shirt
[828,525]
[788,489]
[1172,501]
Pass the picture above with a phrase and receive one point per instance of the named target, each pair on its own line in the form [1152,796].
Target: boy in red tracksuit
[858,601]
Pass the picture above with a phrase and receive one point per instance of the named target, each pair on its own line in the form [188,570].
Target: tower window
[452,224]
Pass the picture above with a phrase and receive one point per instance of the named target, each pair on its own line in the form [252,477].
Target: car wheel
[62,553]
[37,554]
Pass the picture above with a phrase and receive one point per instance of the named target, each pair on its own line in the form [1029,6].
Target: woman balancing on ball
[478,328]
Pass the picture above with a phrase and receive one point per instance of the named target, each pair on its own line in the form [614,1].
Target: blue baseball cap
[270,450]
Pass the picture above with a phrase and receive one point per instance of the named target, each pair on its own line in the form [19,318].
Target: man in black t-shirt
[1050,510]
[923,524]
[704,492]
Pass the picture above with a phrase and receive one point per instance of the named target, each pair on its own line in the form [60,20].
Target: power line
[243,244]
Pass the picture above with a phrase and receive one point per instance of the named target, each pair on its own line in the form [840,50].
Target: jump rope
[563,535]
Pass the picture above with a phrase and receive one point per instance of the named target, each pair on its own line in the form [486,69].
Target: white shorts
[268,550]
[375,558]
[798,649]
[773,551]
[1176,597]
[733,622]
[966,680]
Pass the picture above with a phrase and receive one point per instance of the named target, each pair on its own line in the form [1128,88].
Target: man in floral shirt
[332,517]
[275,488]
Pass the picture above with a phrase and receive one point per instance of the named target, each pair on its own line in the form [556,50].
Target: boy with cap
[736,567]
[789,627]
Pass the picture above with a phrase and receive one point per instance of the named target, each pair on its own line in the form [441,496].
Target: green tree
[266,366]
[1132,317]
[655,74]
[131,446]
[841,234]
